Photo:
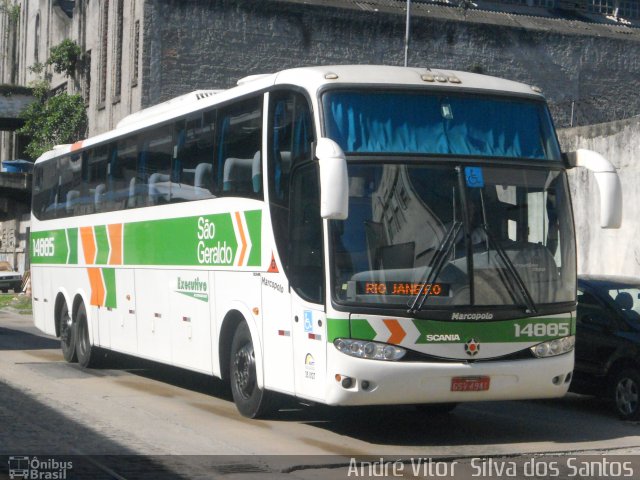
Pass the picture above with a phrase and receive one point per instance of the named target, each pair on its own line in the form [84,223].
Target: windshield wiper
[512,273]
[437,264]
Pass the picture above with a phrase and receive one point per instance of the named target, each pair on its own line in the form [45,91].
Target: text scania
[449,337]
[44,247]
[219,253]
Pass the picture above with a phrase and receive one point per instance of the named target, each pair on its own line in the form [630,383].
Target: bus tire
[84,350]
[67,335]
[251,401]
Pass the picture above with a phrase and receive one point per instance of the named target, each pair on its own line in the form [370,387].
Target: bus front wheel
[250,399]
[67,335]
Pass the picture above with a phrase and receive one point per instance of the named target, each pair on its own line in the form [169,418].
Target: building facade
[584,54]
[137,53]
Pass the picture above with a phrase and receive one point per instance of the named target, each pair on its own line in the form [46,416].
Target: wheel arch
[231,320]
[620,364]
[78,299]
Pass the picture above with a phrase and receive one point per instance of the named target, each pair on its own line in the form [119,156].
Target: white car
[9,279]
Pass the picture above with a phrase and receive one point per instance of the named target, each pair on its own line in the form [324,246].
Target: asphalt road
[138,419]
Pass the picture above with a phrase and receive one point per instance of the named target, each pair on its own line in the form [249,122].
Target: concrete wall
[13,241]
[607,251]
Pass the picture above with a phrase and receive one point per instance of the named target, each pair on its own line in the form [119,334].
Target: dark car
[608,342]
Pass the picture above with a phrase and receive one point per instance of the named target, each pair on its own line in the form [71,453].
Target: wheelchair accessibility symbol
[474,177]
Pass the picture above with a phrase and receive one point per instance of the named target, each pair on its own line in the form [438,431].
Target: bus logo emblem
[472,347]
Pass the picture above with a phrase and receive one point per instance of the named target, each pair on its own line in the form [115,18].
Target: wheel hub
[245,371]
[627,396]
[66,329]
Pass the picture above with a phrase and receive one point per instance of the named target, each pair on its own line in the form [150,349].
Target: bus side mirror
[334,181]
[608,184]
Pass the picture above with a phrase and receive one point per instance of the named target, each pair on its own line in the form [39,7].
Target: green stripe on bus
[72,236]
[206,240]
[506,331]
[362,330]
[49,247]
[254,224]
[109,277]
[337,328]
[102,244]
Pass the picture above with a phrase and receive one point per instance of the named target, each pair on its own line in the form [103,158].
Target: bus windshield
[469,236]
[439,124]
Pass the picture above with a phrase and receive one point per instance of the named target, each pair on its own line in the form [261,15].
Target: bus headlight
[555,347]
[367,349]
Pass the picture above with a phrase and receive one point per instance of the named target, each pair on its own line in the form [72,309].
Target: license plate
[470,384]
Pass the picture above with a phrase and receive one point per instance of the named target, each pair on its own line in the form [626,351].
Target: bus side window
[154,166]
[290,139]
[306,257]
[70,171]
[192,171]
[97,177]
[123,174]
[239,158]
[45,190]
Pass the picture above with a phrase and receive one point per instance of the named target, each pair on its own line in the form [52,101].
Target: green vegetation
[54,119]
[64,57]
[13,11]
[17,302]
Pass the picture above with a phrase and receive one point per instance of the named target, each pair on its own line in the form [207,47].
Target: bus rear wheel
[251,401]
[84,349]
[68,335]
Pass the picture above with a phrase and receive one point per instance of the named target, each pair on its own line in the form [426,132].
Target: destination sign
[401,288]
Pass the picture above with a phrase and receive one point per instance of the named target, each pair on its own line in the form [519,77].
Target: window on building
[136,53]
[36,46]
[117,80]
[86,87]
[103,52]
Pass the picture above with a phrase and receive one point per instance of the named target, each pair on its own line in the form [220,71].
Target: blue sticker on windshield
[474,177]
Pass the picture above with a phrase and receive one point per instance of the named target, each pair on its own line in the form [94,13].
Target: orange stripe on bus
[88,245]
[115,240]
[242,239]
[396,330]
[76,146]
[97,287]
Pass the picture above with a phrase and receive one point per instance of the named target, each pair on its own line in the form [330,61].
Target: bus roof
[311,79]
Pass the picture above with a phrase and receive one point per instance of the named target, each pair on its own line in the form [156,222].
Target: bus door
[277,331]
[306,272]
[40,294]
[309,348]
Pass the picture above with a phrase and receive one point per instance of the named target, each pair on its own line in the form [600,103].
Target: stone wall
[607,251]
[191,45]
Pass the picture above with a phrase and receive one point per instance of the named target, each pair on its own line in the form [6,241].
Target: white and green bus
[347,235]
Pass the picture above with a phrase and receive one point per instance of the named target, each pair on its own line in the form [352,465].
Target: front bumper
[424,382]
